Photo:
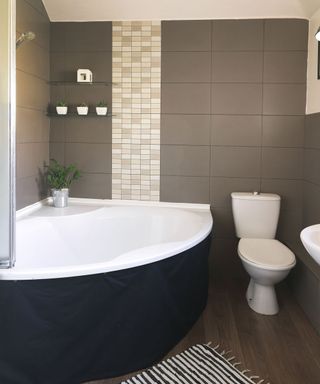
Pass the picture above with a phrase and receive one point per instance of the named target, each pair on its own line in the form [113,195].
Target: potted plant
[61,108]
[82,109]
[101,108]
[59,179]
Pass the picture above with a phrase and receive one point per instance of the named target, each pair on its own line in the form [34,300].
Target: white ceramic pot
[62,110]
[60,197]
[102,111]
[82,110]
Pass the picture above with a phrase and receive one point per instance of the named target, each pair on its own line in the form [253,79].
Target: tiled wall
[32,98]
[305,280]
[233,102]
[136,107]
[84,141]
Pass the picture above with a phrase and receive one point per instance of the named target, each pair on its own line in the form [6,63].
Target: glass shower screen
[7,133]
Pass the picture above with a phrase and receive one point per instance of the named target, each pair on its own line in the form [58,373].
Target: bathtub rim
[67,271]
[29,209]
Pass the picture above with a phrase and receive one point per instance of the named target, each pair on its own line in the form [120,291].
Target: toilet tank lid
[254,196]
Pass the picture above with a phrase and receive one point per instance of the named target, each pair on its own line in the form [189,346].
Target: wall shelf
[104,83]
[75,114]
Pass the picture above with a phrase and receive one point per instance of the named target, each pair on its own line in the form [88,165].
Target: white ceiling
[98,10]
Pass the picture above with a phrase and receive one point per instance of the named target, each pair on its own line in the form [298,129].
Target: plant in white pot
[59,179]
[82,109]
[102,108]
[61,108]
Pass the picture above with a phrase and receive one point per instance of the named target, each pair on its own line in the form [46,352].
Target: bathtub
[100,288]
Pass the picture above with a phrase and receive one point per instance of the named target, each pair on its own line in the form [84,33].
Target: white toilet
[267,260]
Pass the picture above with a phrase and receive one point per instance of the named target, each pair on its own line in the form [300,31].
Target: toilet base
[262,298]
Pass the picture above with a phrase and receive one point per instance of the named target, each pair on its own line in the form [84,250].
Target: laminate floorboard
[282,349]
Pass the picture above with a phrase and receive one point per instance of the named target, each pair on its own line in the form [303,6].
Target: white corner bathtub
[101,288]
[97,236]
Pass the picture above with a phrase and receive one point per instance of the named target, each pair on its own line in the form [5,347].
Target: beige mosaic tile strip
[136,77]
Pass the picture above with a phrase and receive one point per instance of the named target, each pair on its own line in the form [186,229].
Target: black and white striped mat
[200,364]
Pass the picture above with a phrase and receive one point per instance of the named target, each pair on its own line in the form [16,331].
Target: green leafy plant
[61,103]
[60,176]
[83,105]
[101,104]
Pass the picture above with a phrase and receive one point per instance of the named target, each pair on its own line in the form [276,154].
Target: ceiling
[98,10]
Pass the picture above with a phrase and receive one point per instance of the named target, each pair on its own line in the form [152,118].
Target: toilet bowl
[267,262]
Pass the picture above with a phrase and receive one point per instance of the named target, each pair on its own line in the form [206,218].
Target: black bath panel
[71,330]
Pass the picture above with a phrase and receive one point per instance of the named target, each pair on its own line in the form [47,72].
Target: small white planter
[82,110]
[102,111]
[62,110]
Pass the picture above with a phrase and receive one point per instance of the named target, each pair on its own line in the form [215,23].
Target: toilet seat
[266,253]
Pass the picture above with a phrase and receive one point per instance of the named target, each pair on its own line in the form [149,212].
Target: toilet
[266,259]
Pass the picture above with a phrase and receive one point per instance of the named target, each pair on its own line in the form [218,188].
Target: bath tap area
[160,187]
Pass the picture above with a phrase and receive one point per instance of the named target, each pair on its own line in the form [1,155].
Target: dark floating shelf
[75,114]
[105,83]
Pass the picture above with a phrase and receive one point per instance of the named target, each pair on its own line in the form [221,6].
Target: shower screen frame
[7,132]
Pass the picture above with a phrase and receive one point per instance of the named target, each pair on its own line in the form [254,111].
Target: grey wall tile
[185,98]
[283,131]
[236,130]
[38,5]
[57,67]
[285,67]
[57,37]
[235,161]
[32,126]
[89,36]
[29,19]
[57,152]
[78,94]
[291,192]
[311,204]
[312,131]
[233,67]
[236,99]
[188,67]
[90,158]
[29,190]
[84,141]
[100,63]
[286,35]
[93,130]
[223,226]
[33,60]
[31,158]
[186,35]
[184,189]
[306,289]
[312,165]
[57,130]
[286,163]
[32,92]
[185,129]
[284,99]
[222,187]
[290,225]
[185,160]
[237,35]
[94,186]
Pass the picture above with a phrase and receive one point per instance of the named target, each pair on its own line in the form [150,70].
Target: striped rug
[200,364]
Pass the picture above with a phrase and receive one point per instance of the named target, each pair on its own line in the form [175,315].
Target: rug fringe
[235,364]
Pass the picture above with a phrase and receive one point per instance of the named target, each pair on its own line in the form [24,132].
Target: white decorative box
[84,76]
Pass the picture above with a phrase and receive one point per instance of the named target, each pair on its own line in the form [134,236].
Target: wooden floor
[283,349]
